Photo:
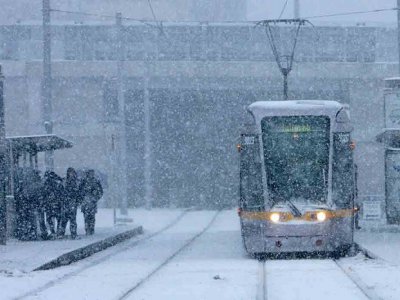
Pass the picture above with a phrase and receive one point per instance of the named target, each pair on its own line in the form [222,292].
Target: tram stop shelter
[390,138]
[24,146]
[23,152]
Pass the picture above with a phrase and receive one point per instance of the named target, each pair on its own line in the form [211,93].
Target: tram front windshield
[296,152]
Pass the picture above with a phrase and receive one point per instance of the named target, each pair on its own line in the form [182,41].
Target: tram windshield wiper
[296,212]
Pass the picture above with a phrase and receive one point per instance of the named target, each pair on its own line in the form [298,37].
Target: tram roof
[295,107]
[38,143]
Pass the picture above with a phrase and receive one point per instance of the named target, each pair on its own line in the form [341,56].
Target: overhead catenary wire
[146,22]
[283,9]
[353,13]
[149,22]
[158,24]
[152,10]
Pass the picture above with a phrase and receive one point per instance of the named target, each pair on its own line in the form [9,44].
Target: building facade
[30,12]
[186,87]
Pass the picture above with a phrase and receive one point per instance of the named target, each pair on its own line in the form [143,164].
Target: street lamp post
[122,161]
[46,82]
[3,203]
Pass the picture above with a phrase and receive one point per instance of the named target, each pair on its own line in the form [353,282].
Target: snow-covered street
[199,255]
[199,149]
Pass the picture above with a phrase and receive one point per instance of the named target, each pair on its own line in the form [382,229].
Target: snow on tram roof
[295,104]
[301,106]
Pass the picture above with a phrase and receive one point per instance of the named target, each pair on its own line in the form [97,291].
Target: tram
[297,178]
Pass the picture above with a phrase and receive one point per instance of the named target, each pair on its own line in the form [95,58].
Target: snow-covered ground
[383,244]
[19,256]
[212,266]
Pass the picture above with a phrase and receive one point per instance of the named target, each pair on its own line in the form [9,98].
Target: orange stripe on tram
[287,216]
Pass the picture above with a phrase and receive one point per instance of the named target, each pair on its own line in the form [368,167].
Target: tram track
[262,283]
[168,260]
[355,278]
[367,291]
[99,260]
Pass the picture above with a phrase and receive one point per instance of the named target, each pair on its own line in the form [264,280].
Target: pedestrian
[41,213]
[92,191]
[71,201]
[52,197]
[33,194]
[19,204]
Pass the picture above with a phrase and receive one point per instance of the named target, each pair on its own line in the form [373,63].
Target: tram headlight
[274,217]
[321,216]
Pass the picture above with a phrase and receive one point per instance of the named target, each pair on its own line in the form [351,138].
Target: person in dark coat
[19,204]
[33,193]
[92,191]
[41,213]
[52,198]
[27,194]
[71,201]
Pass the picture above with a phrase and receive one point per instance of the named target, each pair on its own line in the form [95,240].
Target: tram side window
[251,192]
[342,170]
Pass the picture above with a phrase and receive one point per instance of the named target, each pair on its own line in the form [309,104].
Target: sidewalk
[385,244]
[18,256]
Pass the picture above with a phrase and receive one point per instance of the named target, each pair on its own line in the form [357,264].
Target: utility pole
[122,161]
[3,203]
[297,9]
[147,143]
[398,30]
[46,81]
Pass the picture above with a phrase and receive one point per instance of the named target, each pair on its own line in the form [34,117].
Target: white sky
[270,9]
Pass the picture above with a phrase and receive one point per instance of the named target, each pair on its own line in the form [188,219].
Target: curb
[86,251]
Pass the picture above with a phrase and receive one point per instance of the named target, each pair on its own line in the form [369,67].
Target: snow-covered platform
[384,244]
[22,257]
[199,254]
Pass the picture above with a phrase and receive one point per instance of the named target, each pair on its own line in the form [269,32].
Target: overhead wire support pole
[3,202]
[122,161]
[147,142]
[46,81]
[398,30]
[148,192]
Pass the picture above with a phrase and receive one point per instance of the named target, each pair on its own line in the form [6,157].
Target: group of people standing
[53,202]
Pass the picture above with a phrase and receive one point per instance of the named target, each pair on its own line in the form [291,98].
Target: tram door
[392,174]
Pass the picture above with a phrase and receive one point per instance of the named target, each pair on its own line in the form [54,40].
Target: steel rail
[128,292]
[262,284]
[102,259]
[362,286]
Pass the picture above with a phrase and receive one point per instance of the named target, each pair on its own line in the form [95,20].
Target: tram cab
[297,179]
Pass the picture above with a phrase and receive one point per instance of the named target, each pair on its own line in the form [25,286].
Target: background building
[28,11]
[195,80]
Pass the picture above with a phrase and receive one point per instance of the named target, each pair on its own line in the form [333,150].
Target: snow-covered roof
[38,143]
[295,107]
